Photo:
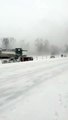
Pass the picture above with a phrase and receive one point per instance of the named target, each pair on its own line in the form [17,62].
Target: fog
[35,19]
[40,47]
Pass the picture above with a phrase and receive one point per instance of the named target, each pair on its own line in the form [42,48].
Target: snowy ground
[35,90]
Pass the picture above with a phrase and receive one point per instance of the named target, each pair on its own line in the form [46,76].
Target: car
[65,55]
[62,55]
[52,56]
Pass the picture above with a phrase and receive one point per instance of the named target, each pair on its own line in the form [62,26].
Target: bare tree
[54,50]
[8,43]
[5,43]
[66,49]
[42,46]
[46,47]
[12,42]
[39,46]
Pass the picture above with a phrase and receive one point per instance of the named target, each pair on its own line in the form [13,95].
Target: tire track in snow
[32,79]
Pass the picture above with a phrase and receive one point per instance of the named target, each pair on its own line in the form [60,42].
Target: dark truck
[14,55]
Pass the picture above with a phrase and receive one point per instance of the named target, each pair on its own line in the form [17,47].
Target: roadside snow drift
[35,90]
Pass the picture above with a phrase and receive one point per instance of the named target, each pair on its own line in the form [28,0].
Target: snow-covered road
[35,90]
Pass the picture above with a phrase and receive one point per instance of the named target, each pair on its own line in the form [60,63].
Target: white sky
[31,19]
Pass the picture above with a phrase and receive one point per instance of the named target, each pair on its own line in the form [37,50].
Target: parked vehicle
[52,56]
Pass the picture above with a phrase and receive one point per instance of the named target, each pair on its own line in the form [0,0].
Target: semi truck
[16,54]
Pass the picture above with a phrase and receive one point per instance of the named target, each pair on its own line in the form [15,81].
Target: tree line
[38,47]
